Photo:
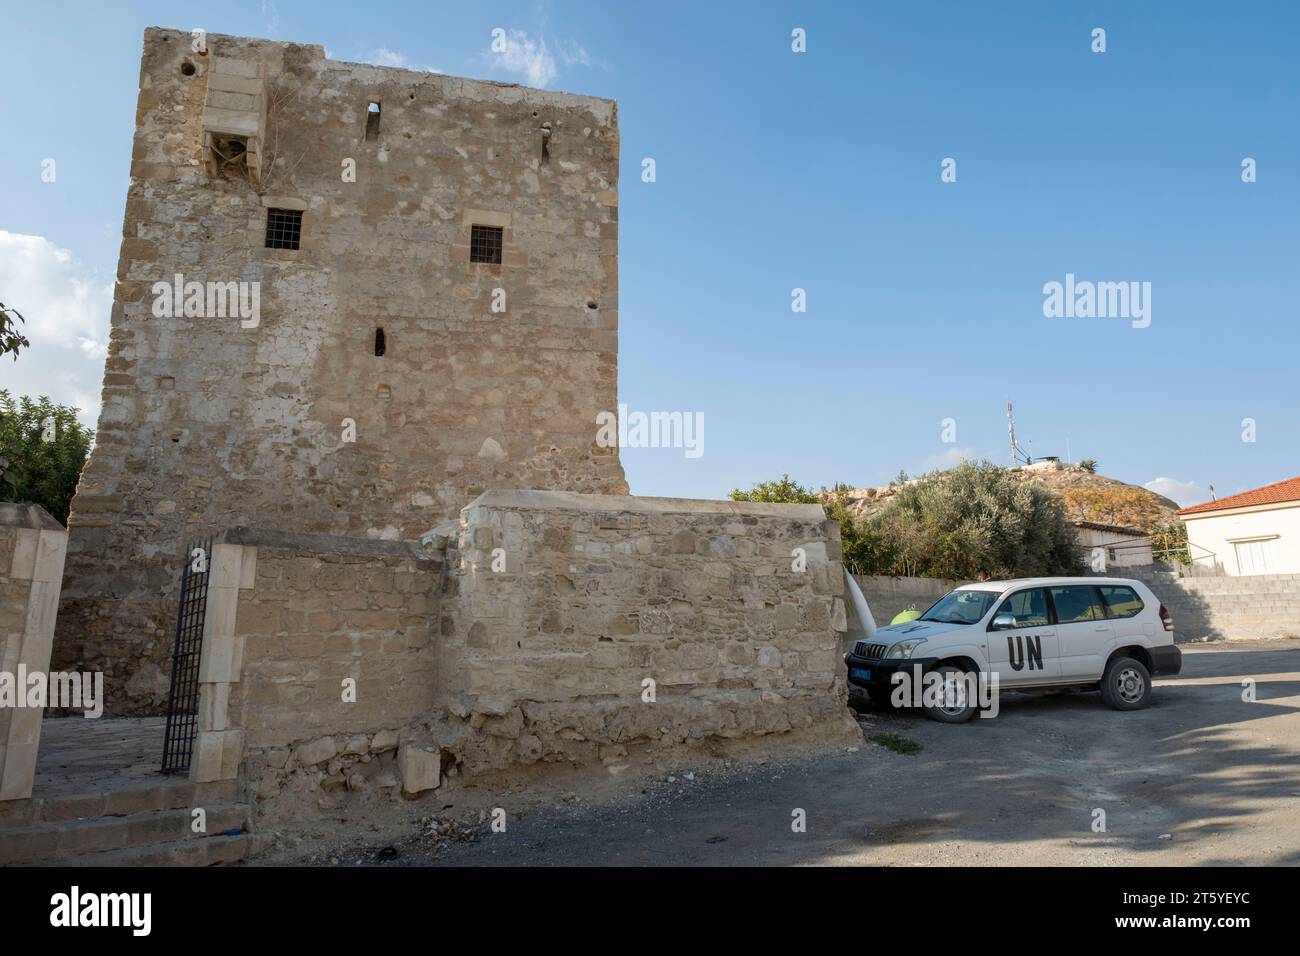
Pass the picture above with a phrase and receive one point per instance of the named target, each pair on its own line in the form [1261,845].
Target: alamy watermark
[208,300]
[626,429]
[60,689]
[1098,300]
[946,689]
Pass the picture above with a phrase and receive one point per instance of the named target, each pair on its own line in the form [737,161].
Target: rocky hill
[1087,496]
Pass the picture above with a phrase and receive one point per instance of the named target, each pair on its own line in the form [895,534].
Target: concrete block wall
[887,596]
[32,549]
[1226,607]
[561,606]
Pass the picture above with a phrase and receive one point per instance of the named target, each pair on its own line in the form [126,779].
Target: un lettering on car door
[1027,653]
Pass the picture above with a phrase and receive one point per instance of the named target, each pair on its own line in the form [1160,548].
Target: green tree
[784,491]
[975,521]
[1089,465]
[42,450]
[1169,543]
[10,338]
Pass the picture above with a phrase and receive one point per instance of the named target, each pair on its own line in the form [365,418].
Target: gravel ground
[1199,778]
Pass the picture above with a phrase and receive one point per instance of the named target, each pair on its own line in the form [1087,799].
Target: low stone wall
[544,626]
[887,596]
[317,650]
[564,611]
[1224,607]
[32,548]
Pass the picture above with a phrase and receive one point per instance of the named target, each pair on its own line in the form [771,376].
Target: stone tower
[350,299]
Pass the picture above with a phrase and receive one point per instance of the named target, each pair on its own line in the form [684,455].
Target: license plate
[861,673]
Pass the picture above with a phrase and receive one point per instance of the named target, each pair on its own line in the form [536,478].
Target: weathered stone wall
[207,424]
[546,657]
[32,548]
[330,652]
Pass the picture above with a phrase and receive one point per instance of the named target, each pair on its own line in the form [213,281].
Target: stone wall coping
[28,516]
[575,501]
[314,543]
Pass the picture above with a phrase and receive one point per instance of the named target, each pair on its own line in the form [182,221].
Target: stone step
[167,794]
[211,851]
[49,843]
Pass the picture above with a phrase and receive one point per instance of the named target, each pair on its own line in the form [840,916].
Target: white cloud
[948,459]
[271,16]
[573,54]
[1184,492]
[386,57]
[528,57]
[67,309]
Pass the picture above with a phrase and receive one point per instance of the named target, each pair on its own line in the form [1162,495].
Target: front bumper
[878,673]
[1166,661]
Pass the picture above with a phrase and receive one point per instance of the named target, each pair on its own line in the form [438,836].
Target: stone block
[420,766]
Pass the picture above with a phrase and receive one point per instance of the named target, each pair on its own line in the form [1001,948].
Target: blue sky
[819,170]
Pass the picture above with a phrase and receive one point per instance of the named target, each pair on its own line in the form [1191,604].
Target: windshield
[961,607]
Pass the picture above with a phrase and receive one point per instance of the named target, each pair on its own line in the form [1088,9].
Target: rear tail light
[1166,618]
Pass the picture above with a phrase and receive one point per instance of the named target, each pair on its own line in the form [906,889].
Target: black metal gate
[183,697]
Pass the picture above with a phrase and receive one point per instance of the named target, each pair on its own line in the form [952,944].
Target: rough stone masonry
[387,377]
[356,304]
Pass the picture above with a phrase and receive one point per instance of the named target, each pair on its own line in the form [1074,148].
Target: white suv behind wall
[1029,633]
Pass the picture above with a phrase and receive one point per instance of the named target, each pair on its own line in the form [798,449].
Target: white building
[1254,532]
[1108,546]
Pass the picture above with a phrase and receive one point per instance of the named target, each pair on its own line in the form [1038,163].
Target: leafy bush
[1169,543]
[784,491]
[42,450]
[976,521]
[972,521]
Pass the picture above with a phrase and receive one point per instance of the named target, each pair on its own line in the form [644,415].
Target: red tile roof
[1273,494]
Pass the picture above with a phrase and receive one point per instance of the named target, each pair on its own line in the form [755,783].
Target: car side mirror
[1003,622]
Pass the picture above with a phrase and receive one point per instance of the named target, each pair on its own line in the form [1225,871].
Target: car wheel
[956,705]
[1126,684]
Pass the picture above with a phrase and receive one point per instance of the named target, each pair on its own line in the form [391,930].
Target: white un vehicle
[1107,634]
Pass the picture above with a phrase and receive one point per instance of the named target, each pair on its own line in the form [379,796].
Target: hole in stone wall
[187,68]
[380,345]
[372,121]
[591,304]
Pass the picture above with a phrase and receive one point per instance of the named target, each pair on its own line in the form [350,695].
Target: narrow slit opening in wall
[372,121]
[380,345]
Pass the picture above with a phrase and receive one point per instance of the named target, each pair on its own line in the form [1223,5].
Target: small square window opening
[485,244]
[283,228]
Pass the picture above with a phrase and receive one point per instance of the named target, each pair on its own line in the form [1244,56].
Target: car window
[1029,608]
[1121,601]
[960,607]
[1077,602]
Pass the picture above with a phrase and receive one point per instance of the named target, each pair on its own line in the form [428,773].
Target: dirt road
[1201,777]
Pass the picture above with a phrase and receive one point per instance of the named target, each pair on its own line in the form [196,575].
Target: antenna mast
[1011,430]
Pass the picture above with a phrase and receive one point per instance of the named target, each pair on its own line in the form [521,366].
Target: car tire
[957,714]
[1126,685]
